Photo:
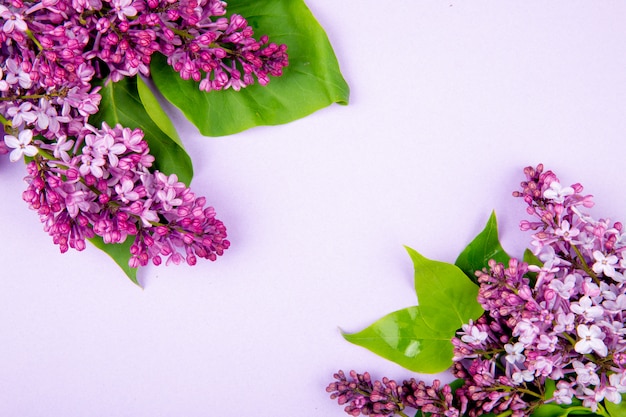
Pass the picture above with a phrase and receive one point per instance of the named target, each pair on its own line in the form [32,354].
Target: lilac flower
[21,145]
[618,380]
[23,114]
[13,21]
[566,231]
[473,335]
[604,264]
[564,393]
[557,193]
[123,8]
[585,307]
[591,340]
[521,376]
[563,323]
[80,196]
[563,288]
[61,148]
[514,353]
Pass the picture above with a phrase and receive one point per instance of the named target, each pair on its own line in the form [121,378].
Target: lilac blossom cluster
[108,190]
[85,180]
[552,332]
[119,37]
[387,397]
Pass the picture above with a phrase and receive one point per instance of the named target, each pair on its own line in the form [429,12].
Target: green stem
[584,265]
[34,39]
[35,96]
[5,122]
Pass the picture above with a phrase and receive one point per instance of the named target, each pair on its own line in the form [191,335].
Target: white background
[449,101]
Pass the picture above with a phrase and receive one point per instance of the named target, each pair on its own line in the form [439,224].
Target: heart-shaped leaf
[405,338]
[484,247]
[419,338]
[310,82]
[447,297]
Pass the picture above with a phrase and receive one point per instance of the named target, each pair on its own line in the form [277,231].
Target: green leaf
[310,82]
[531,259]
[155,111]
[447,297]
[484,247]
[120,252]
[419,338]
[121,104]
[405,338]
[555,410]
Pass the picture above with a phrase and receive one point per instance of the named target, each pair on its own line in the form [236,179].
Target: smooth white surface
[450,100]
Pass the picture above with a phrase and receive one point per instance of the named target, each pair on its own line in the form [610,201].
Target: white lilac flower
[591,340]
[526,331]
[584,307]
[473,334]
[520,376]
[564,393]
[514,353]
[609,393]
[586,373]
[617,305]
[542,365]
[124,8]
[547,343]
[604,264]
[618,380]
[557,192]
[21,145]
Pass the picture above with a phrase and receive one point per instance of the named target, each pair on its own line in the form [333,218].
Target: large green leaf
[310,82]
[447,297]
[419,338]
[484,247]
[122,104]
[405,338]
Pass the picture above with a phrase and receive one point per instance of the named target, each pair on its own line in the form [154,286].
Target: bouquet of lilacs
[542,336]
[103,160]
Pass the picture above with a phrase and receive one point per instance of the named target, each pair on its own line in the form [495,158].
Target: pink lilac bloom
[120,201]
[99,181]
[559,322]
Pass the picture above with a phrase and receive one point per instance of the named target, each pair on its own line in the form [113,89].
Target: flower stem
[584,265]
[34,39]
[5,122]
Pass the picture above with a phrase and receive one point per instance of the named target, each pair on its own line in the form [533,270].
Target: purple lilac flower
[560,322]
[385,398]
[86,181]
[122,199]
